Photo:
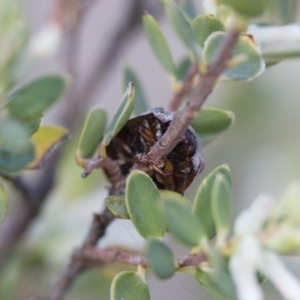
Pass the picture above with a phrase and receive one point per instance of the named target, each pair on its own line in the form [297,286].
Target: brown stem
[100,257]
[77,262]
[105,256]
[182,119]
[186,87]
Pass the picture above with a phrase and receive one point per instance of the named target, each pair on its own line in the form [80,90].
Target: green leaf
[161,259]
[220,201]
[13,38]
[218,284]
[92,133]
[182,223]
[142,201]
[46,140]
[3,204]
[129,286]
[212,120]
[117,205]
[166,194]
[16,150]
[183,68]
[34,98]
[182,25]
[32,124]
[202,207]
[216,278]
[122,115]
[189,8]
[158,43]
[204,25]
[246,61]
[140,105]
[247,8]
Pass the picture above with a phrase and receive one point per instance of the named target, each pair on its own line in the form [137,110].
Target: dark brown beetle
[139,134]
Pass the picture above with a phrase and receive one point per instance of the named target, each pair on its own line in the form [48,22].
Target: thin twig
[185,88]
[77,263]
[182,119]
[105,256]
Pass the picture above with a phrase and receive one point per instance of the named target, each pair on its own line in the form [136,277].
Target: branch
[182,119]
[186,87]
[35,194]
[77,264]
[99,257]
[120,39]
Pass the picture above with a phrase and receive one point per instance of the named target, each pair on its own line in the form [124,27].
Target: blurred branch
[112,170]
[182,119]
[105,256]
[132,22]
[34,195]
[77,263]
[18,182]
[185,88]
[88,256]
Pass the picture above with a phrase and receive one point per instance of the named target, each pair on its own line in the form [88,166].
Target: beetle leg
[183,176]
[165,176]
[147,134]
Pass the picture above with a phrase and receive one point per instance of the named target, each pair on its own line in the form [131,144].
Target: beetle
[140,133]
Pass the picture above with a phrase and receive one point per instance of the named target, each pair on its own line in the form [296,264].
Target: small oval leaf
[220,202]
[161,259]
[183,68]
[129,286]
[122,115]
[166,194]
[33,123]
[117,205]
[202,207]
[204,25]
[182,223]
[247,8]
[188,6]
[16,150]
[246,62]
[3,204]
[158,43]
[35,97]
[211,120]
[46,140]
[219,285]
[92,133]
[182,25]
[142,201]
[140,102]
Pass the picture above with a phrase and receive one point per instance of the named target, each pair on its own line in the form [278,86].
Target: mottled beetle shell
[139,134]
